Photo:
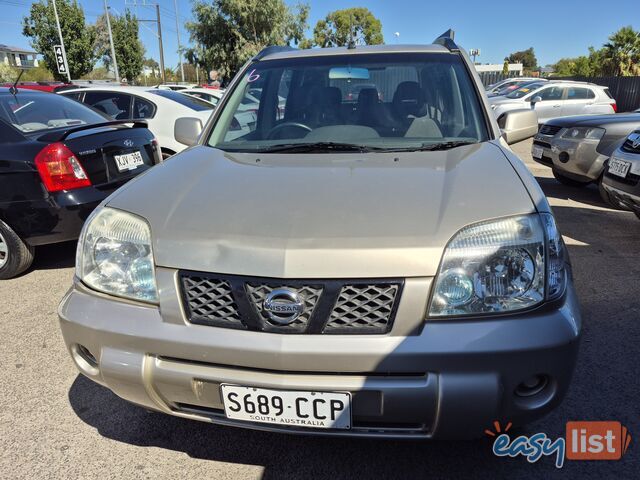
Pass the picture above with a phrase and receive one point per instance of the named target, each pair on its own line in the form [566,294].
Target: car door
[550,105]
[115,104]
[577,101]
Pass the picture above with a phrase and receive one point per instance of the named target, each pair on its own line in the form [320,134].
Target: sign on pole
[60,60]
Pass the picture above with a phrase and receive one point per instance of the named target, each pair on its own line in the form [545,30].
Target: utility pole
[113,49]
[159,34]
[64,52]
[160,43]
[175,5]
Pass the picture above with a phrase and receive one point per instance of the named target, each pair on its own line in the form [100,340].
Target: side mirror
[536,99]
[518,125]
[187,130]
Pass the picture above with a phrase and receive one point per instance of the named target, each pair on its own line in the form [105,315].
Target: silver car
[621,180]
[555,99]
[577,148]
[387,268]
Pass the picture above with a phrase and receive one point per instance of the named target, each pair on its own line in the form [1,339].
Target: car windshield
[193,103]
[374,101]
[34,112]
[525,89]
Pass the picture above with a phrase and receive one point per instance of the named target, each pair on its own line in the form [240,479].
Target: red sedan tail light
[59,168]
[614,105]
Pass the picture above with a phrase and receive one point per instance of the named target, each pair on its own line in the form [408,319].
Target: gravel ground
[56,424]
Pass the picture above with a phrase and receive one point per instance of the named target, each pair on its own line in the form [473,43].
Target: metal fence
[492,77]
[626,90]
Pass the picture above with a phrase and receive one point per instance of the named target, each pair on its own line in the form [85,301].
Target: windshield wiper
[428,147]
[318,147]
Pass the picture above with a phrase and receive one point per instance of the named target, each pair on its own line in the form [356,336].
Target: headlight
[115,256]
[501,265]
[582,133]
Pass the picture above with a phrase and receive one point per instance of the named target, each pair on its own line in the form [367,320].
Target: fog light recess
[534,391]
[85,360]
[563,157]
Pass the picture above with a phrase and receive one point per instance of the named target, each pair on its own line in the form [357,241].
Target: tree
[621,54]
[229,32]
[526,57]
[40,27]
[351,24]
[505,67]
[127,44]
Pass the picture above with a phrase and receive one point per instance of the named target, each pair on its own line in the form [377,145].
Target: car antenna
[13,90]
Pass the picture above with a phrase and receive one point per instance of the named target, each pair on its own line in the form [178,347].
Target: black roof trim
[272,49]
[446,40]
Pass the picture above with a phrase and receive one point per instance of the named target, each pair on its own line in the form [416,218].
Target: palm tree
[622,53]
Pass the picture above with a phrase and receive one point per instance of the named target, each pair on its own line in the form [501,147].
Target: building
[18,57]
[515,69]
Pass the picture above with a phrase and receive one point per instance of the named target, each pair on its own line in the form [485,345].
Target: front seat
[368,108]
[408,102]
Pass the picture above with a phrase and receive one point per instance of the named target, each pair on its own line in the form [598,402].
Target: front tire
[568,181]
[15,255]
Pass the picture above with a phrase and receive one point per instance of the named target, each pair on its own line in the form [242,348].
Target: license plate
[536,151]
[618,167]
[287,408]
[128,161]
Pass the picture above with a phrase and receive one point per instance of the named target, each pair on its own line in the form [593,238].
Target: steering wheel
[272,133]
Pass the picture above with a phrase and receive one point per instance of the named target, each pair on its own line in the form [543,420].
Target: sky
[554,28]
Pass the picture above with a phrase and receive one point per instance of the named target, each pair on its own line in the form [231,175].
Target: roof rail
[446,40]
[272,49]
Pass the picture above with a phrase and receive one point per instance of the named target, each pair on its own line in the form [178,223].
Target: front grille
[210,301]
[631,179]
[362,308]
[549,130]
[627,146]
[328,306]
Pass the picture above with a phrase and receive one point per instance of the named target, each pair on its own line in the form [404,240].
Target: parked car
[555,99]
[160,108]
[577,148]
[621,180]
[393,271]
[210,95]
[509,85]
[41,86]
[58,160]
[507,82]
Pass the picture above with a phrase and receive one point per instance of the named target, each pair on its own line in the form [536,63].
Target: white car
[212,95]
[555,99]
[160,108]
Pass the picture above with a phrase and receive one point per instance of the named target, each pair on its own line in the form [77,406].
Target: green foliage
[620,56]
[227,33]
[526,57]
[339,27]
[40,27]
[127,44]
[37,74]
[505,67]
[8,73]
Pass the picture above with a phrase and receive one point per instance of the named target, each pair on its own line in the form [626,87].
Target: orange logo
[596,440]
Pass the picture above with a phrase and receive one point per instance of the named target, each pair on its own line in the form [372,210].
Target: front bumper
[579,160]
[449,379]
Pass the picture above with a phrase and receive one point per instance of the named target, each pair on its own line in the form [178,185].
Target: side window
[143,108]
[116,105]
[552,93]
[577,93]
[590,93]
[73,96]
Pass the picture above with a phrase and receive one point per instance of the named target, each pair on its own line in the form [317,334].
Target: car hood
[595,120]
[319,215]
[502,100]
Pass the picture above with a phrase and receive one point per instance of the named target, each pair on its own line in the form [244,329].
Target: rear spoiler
[60,136]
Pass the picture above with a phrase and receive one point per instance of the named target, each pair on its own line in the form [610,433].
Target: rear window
[606,90]
[193,103]
[35,112]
